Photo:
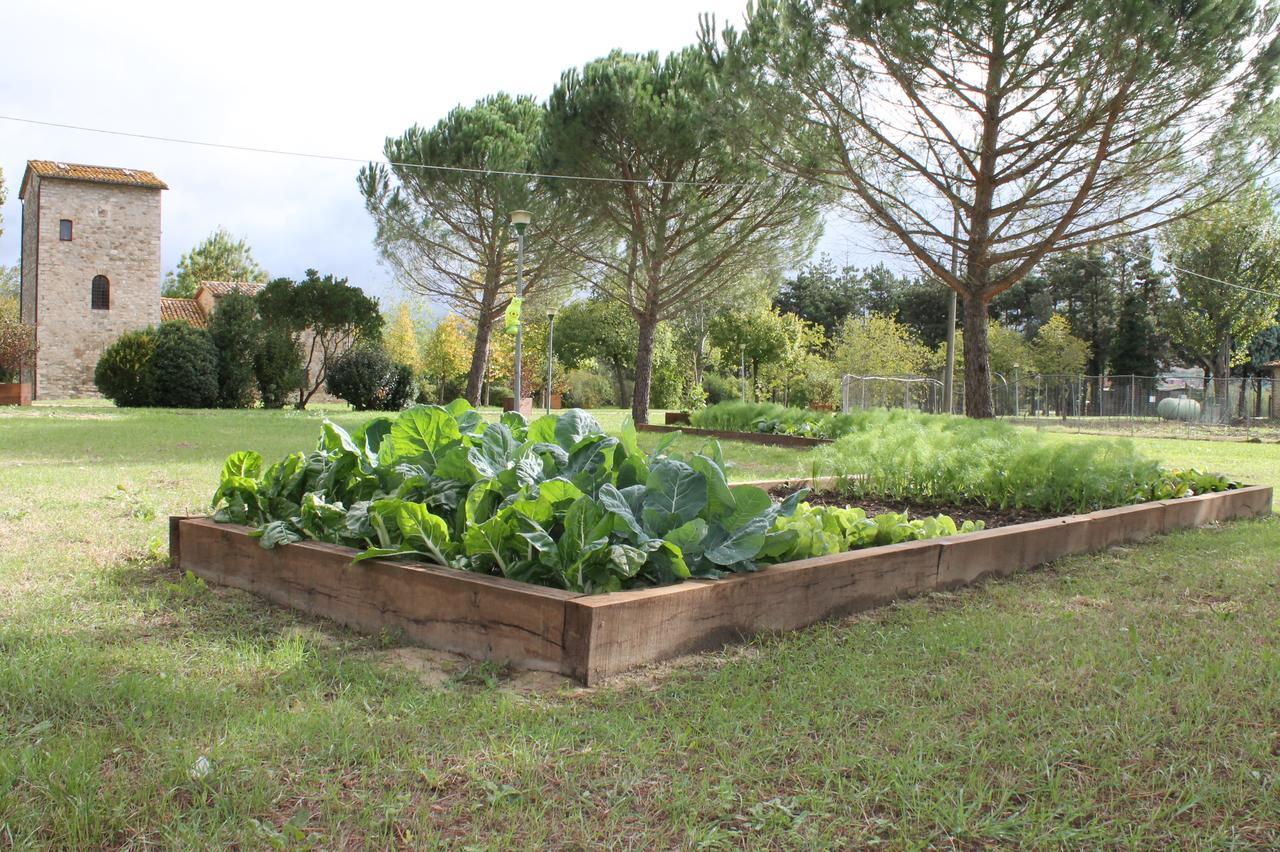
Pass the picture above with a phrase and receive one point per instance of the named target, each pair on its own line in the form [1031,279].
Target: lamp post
[1016,407]
[551,341]
[520,219]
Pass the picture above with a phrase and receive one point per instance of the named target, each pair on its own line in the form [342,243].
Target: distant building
[91,271]
[90,266]
[197,311]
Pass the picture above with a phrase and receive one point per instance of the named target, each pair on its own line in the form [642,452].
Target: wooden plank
[747,437]
[175,540]
[1110,527]
[619,631]
[999,552]
[1251,502]
[486,618]
[1189,512]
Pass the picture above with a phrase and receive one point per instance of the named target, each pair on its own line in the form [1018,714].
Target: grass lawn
[1130,698]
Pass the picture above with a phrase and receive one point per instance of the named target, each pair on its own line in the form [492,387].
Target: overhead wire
[483,171]
[364,160]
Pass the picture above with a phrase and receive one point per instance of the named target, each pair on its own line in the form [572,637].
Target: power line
[496,172]
[363,160]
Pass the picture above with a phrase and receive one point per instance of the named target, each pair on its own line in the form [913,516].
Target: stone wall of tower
[116,233]
[30,234]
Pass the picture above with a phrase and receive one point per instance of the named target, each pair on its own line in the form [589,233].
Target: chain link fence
[1177,406]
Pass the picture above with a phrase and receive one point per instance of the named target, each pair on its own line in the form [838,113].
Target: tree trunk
[644,370]
[977,370]
[620,378]
[479,357]
[1222,380]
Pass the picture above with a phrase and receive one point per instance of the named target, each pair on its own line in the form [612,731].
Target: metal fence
[1132,404]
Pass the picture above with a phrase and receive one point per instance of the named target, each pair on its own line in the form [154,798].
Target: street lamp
[551,340]
[1017,410]
[520,219]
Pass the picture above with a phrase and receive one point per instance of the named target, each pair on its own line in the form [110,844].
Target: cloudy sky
[320,77]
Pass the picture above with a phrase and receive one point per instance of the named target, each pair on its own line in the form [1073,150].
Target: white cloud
[332,78]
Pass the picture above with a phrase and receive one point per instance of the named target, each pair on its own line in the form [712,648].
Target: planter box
[526,405]
[593,637]
[746,437]
[676,418]
[15,393]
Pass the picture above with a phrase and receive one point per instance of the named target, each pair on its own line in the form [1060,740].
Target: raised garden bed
[593,637]
[767,438]
[15,393]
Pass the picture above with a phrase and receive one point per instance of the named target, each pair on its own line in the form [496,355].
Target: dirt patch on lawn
[959,512]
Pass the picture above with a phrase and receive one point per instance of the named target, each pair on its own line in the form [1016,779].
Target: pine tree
[1134,352]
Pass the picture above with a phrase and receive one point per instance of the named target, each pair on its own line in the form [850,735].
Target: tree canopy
[218,257]
[1226,277]
[684,212]
[1040,126]
[326,316]
[447,234]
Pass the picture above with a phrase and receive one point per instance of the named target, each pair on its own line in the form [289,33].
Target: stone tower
[90,266]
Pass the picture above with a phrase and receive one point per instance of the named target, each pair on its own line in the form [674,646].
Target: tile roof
[184,310]
[50,170]
[218,289]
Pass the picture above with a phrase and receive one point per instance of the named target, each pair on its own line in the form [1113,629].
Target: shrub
[235,330]
[184,371]
[17,348]
[277,366]
[367,378]
[587,389]
[123,373]
[720,388]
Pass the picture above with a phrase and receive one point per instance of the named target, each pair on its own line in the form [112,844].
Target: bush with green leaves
[123,372]
[184,367]
[720,388]
[277,366]
[588,389]
[554,502]
[932,459]
[366,377]
[236,332]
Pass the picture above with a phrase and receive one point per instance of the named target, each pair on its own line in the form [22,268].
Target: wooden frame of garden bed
[768,438]
[593,637]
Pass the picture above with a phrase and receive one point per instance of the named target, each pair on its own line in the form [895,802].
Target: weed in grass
[487,673]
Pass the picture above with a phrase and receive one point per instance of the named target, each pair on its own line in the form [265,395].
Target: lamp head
[521,219]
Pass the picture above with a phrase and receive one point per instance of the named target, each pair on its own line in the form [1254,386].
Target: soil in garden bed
[992,517]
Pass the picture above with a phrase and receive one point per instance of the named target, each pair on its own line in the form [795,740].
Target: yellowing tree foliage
[401,340]
[879,345]
[1056,351]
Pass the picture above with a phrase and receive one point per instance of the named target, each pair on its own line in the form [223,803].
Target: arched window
[100,293]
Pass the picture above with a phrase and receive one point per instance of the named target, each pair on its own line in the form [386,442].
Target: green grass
[1125,699]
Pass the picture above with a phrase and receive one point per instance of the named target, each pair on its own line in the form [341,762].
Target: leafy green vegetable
[555,502]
